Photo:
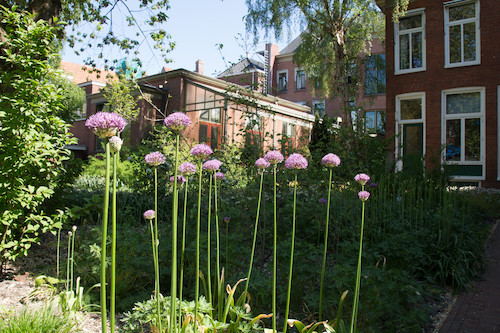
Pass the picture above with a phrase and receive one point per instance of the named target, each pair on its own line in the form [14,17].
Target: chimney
[200,66]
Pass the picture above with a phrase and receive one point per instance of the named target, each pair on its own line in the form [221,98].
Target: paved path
[478,310]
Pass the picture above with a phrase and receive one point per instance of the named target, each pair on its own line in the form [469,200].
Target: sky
[197,27]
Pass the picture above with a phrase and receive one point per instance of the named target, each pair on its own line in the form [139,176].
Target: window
[81,112]
[282,81]
[375,122]
[253,124]
[318,106]
[300,79]
[410,131]
[463,132]
[375,74]
[461,33]
[410,43]
[210,121]
[287,136]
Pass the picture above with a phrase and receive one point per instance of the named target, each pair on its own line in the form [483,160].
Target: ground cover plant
[418,236]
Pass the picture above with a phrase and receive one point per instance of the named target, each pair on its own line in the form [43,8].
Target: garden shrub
[32,133]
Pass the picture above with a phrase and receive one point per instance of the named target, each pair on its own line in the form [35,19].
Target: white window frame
[399,138]
[397,70]
[278,80]
[447,25]
[462,117]
[305,78]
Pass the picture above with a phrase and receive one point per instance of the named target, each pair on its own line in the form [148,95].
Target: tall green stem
[219,278]
[274,252]
[155,254]
[113,248]
[72,257]
[181,273]
[70,234]
[103,242]
[173,286]
[209,280]
[325,247]
[197,270]
[254,234]
[58,250]
[291,254]
[155,262]
[358,274]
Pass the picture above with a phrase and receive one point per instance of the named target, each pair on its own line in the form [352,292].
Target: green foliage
[72,99]
[32,133]
[119,97]
[41,320]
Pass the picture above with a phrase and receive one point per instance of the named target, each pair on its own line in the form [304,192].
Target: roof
[242,66]
[79,73]
[292,47]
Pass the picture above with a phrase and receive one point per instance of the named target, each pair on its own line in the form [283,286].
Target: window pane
[381,122]
[404,52]
[453,152]
[214,139]
[462,12]
[215,115]
[411,22]
[203,133]
[200,95]
[470,41]
[455,44]
[463,103]
[204,115]
[416,50]
[411,109]
[413,140]
[473,139]
[370,121]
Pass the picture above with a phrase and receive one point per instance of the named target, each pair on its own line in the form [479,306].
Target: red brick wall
[437,78]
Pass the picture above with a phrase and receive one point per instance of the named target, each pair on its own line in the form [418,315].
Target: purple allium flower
[149,214]
[212,165]
[363,195]
[105,124]
[373,185]
[262,164]
[220,176]
[295,162]
[180,179]
[154,159]
[362,178]
[177,121]
[115,143]
[187,169]
[227,219]
[330,160]
[201,151]
[274,157]
[323,201]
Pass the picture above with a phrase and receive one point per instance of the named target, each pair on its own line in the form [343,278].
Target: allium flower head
[115,143]
[373,185]
[105,124]
[261,164]
[363,195]
[362,178]
[227,219]
[220,176]
[330,160]
[155,158]
[177,121]
[323,201]
[187,169]
[201,151]
[212,165]
[149,214]
[295,162]
[180,179]
[274,157]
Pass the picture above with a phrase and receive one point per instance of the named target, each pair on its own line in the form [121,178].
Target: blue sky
[197,27]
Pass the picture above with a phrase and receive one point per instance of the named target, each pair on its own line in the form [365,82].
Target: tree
[100,14]
[32,135]
[73,98]
[336,33]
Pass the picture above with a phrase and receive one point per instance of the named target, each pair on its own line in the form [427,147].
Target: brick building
[443,87]
[278,75]
[221,112]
